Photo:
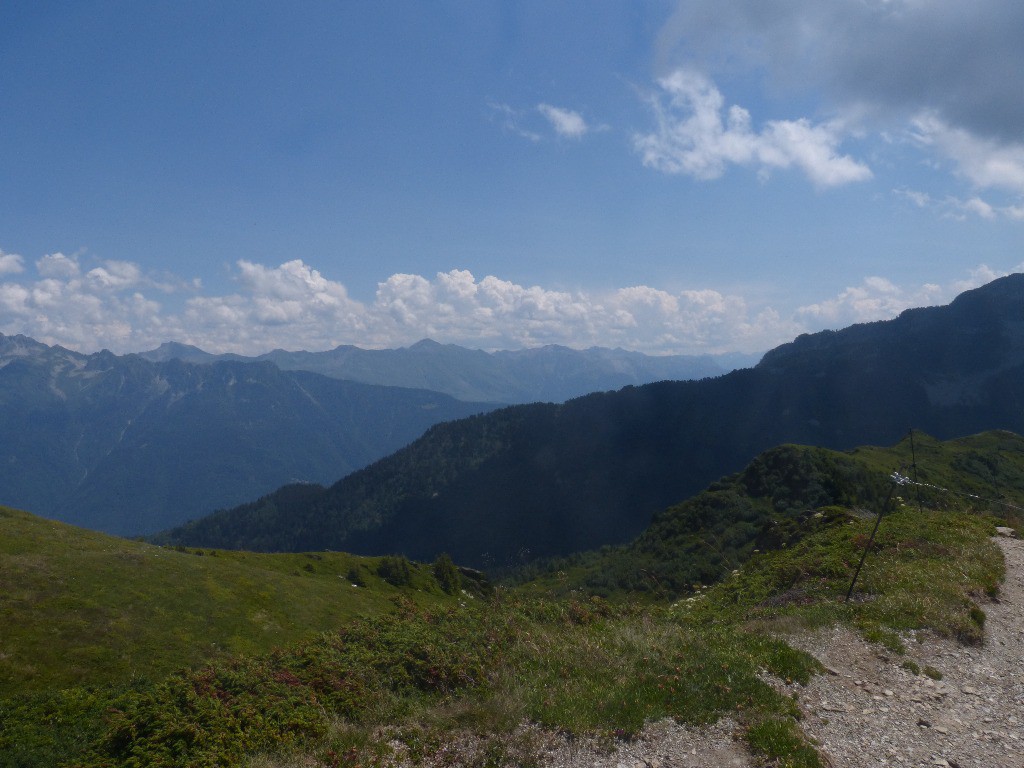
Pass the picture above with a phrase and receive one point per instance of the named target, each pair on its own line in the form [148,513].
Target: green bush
[446,574]
[396,570]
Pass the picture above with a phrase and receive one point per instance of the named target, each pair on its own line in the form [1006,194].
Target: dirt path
[874,712]
[871,710]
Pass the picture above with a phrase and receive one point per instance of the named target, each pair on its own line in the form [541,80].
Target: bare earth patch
[660,745]
[665,744]
[874,711]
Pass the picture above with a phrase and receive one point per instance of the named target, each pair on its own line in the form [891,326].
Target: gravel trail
[870,709]
[873,711]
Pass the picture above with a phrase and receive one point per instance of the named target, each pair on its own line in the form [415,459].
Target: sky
[669,177]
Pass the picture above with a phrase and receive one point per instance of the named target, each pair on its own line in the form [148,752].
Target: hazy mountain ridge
[544,374]
[533,481]
[122,444]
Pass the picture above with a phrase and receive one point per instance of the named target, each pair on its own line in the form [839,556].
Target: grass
[415,673]
[926,570]
[408,680]
[82,608]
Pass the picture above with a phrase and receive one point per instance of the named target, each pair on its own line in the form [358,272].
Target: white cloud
[115,275]
[944,72]
[1015,212]
[511,120]
[290,306]
[294,306]
[893,58]
[918,198]
[527,123]
[979,276]
[986,163]
[697,136]
[980,208]
[57,265]
[11,263]
[956,208]
[565,122]
[877,298]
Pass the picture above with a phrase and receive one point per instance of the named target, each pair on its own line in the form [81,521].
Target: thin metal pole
[913,465]
[870,541]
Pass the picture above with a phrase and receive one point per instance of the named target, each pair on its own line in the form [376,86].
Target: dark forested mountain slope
[545,374]
[542,480]
[128,446]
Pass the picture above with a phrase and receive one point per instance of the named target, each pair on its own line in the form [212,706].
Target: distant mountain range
[544,374]
[538,480]
[129,446]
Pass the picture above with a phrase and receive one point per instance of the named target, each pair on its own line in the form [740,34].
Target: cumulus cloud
[877,298]
[566,123]
[115,275]
[295,306]
[962,60]
[949,73]
[290,306]
[985,162]
[58,265]
[696,135]
[11,263]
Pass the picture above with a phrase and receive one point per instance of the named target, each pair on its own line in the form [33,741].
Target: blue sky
[685,177]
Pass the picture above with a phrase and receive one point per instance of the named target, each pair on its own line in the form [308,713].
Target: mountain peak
[171,350]
[426,344]
[1005,293]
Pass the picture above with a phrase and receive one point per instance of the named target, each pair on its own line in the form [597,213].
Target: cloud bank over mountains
[114,304]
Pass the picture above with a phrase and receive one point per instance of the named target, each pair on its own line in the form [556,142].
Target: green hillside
[79,607]
[418,673]
[786,494]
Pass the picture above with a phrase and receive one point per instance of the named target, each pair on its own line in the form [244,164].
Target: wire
[904,480]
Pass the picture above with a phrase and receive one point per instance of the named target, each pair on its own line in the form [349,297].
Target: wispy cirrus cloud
[566,122]
[534,123]
[961,209]
[294,306]
[513,120]
[698,136]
